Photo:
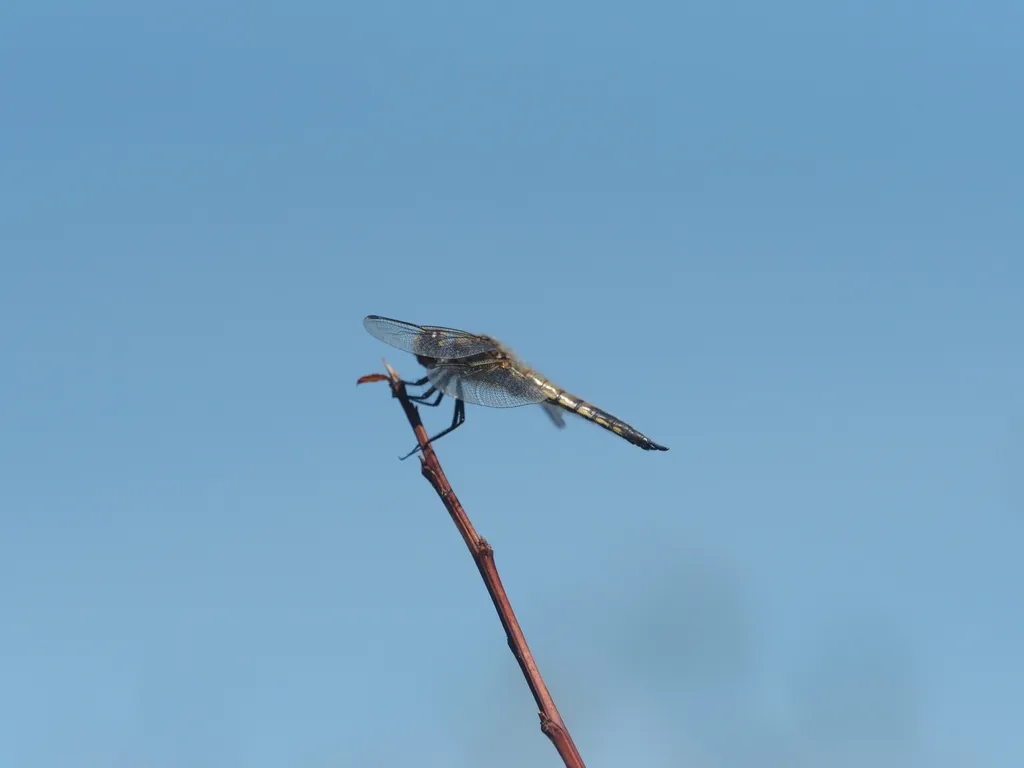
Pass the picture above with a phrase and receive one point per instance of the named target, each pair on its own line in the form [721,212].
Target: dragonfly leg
[417,383]
[457,419]
[422,398]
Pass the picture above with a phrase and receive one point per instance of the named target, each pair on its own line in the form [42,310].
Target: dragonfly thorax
[490,358]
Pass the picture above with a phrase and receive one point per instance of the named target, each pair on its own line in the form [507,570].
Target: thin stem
[551,723]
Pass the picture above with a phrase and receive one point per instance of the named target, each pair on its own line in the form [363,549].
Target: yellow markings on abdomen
[602,418]
[607,422]
[566,400]
[586,410]
[596,415]
[549,389]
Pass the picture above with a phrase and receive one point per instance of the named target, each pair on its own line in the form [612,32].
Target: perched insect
[470,368]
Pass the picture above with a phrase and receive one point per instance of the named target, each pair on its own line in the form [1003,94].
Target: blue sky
[783,239]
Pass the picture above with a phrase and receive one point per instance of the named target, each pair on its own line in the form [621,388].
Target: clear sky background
[784,239]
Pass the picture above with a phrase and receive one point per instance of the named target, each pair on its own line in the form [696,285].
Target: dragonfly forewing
[428,340]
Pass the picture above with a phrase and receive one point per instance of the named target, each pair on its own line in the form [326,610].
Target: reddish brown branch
[550,721]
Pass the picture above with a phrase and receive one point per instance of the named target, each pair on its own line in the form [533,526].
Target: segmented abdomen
[606,420]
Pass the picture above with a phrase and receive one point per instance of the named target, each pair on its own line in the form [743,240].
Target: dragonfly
[471,368]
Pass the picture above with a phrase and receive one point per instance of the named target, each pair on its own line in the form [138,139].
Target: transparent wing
[496,386]
[427,340]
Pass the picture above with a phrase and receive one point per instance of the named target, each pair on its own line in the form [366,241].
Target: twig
[483,555]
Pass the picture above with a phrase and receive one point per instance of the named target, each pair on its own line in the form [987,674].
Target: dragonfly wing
[555,414]
[427,340]
[496,386]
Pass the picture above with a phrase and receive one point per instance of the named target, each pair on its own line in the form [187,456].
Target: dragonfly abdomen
[606,420]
